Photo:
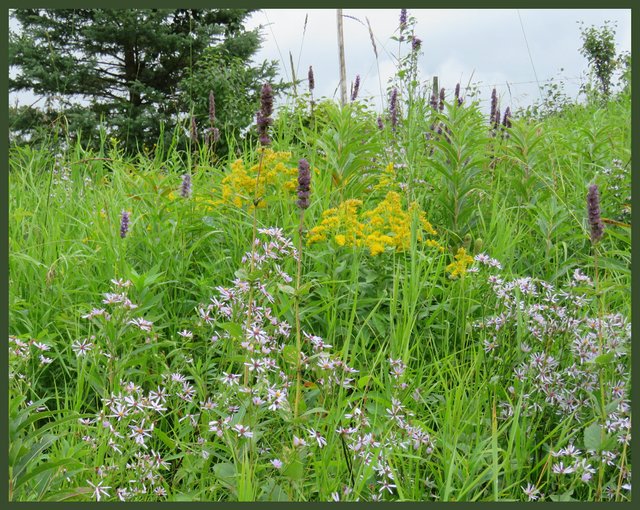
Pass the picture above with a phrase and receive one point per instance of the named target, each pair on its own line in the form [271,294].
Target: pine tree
[133,69]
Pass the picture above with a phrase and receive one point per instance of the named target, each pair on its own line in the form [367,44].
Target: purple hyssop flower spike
[393,108]
[124,224]
[264,119]
[403,19]
[441,105]
[304,184]
[506,120]
[355,89]
[593,209]
[185,189]
[494,107]
[415,44]
[312,81]
[380,123]
[433,102]
[457,94]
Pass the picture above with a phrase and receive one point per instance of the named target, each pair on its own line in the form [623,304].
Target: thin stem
[297,314]
[601,346]
[256,201]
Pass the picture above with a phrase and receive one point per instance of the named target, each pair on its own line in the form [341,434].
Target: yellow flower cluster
[387,179]
[239,187]
[386,225]
[342,222]
[458,268]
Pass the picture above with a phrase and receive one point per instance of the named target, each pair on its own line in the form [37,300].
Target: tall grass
[416,384]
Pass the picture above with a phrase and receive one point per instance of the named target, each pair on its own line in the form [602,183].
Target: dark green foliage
[129,68]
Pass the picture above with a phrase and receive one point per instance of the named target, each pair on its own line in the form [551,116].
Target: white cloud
[487,45]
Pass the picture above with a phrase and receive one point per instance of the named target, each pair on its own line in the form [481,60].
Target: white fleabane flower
[81,347]
[139,433]
[99,490]
[318,437]
[141,323]
[531,492]
[298,442]
[242,430]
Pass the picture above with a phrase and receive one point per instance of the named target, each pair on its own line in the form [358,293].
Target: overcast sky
[488,46]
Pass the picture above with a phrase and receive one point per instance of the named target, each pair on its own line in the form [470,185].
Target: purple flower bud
[494,106]
[304,184]
[312,81]
[355,88]
[403,19]
[434,101]
[441,105]
[457,94]
[506,120]
[185,189]
[124,224]
[264,119]
[593,210]
[380,123]
[393,108]
[415,44]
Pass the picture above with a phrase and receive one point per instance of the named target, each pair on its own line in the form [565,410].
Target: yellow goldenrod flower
[388,224]
[458,268]
[239,187]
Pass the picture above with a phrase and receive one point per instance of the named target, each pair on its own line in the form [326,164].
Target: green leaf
[294,470]
[364,380]
[604,359]
[232,328]
[35,450]
[45,467]
[290,354]
[170,443]
[593,437]
[566,496]
[225,472]
[64,495]
[273,492]
[287,289]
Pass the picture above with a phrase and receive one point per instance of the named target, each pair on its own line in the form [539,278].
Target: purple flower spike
[304,184]
[264,119]
[393,108]
[593,209]
[185,189]
[355,89]
[124,224]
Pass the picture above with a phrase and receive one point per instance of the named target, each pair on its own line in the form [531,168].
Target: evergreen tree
[132,68]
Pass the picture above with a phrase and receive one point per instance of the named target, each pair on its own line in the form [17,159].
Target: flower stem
[297,314]
[256,201]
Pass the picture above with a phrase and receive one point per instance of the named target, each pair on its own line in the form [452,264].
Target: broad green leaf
[593,437]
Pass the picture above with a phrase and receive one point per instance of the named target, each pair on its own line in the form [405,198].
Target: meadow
[423,305]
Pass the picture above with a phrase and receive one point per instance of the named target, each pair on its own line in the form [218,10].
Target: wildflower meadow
[425,303]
